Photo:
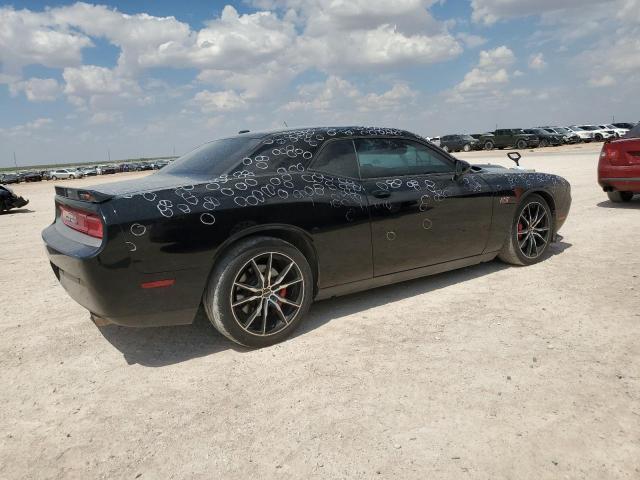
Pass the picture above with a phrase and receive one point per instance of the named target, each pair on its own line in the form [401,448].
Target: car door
[340,223]
[501,138]
[420,214]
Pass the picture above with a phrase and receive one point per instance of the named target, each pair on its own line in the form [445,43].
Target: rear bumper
[111,289]
[620,184]
[622,178]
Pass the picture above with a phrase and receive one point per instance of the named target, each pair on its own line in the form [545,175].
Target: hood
[499,169]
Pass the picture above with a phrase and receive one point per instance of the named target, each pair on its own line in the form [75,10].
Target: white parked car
[619,132]
[599,133]
[585,135]
[434,140]
[65,173]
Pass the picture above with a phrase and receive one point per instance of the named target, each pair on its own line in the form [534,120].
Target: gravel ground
[486,372]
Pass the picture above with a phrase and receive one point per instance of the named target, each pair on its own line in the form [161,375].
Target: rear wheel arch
[289,233]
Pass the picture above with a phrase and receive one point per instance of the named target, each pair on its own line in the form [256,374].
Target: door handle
[381,193]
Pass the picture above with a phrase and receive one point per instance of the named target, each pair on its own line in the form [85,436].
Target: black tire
[512,252]
[3,206]
[521,144]
[54,178]
[544,142]
[72,177]
[222,288]
[618,197]
[488,145]
[598,137]
[467,147]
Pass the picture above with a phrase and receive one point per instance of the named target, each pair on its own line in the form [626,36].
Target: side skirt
[383,280]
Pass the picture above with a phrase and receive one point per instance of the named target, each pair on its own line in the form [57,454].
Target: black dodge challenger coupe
[256,226]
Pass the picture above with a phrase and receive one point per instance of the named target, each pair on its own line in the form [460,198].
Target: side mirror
[462,167]
[515,156]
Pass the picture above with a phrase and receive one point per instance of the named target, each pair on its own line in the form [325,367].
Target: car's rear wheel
[598,137]
[530,233]
[618,197]
[544,142]
[259,291]
[467,147]
[488,145]
[521,144]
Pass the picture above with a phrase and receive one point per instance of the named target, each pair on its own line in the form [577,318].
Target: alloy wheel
[267,293]
[534,229]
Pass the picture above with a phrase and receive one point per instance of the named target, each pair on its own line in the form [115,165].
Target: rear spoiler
[82,194]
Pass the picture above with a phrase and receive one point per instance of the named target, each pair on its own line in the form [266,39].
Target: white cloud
[536,62]
[222,101]
[489,12]
[490,72]
[604,81]
[96,89]
[101,118]
[28,38]
[26,128]
[382,47]
[36,89]
[338,94]
[470,40]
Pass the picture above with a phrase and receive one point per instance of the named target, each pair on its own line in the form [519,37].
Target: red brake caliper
[282,292]
[520,229]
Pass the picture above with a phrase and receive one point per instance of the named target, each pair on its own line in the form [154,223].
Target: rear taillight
[85,222]
[609,154]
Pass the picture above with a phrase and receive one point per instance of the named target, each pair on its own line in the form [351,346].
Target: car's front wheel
[530,233]
[521,144]
[467,147]
[259,291]
[488,145]
[618,197]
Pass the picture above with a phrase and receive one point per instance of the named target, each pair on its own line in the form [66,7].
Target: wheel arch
[296,236]
[548,197]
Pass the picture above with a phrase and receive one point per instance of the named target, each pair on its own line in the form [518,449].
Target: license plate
[69,217]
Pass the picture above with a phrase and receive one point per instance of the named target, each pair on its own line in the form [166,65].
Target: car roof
[329,131]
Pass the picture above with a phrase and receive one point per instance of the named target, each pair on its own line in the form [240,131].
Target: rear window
[213,158]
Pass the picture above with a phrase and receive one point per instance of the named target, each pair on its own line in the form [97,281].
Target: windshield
[589,127]
[467,138]
[213,158]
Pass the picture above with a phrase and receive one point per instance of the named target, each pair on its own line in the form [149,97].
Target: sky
[85,82]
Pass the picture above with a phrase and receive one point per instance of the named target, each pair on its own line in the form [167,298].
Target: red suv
[619,167]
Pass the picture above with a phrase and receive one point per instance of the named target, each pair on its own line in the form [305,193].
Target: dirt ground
[487,372]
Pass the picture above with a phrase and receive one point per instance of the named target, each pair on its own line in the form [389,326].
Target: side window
[387,157]
[337,158]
